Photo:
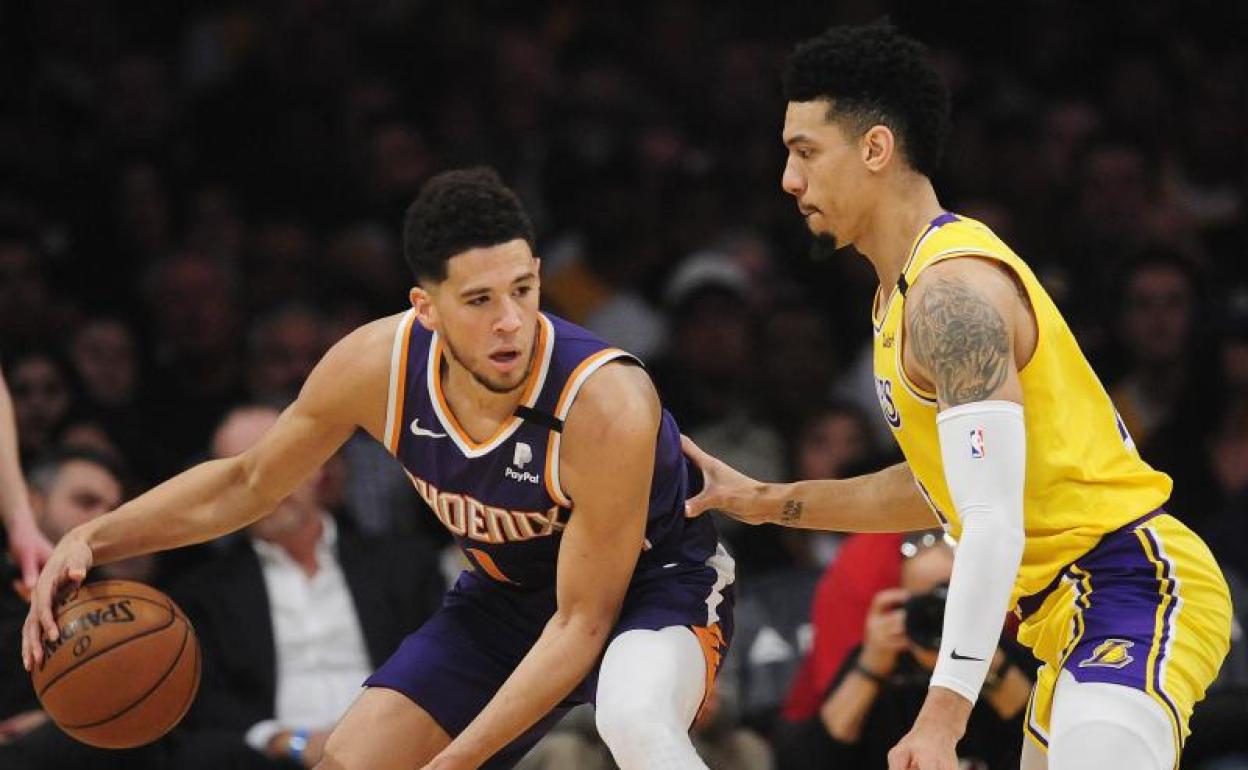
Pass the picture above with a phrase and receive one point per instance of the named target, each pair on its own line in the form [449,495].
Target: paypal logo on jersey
[522,456]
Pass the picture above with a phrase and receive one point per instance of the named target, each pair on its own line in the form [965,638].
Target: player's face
[486,312]
[824,171]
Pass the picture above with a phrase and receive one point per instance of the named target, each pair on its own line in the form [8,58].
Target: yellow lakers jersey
[1084,477]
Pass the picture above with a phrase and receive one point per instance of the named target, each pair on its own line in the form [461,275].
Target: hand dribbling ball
[126,666]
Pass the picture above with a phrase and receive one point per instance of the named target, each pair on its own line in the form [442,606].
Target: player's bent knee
[640,742]
[622,724]
[1096,745]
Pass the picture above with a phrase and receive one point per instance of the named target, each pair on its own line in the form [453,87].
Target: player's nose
[792,180]
[509,321]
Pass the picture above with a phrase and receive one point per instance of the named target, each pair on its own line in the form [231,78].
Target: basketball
[126,666]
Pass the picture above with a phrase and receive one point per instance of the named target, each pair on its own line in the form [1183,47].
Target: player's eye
[522,291]
[479,300]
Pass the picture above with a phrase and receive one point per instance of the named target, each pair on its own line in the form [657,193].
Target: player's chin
[504,382]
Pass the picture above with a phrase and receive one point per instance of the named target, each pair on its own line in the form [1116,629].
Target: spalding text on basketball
[115,612]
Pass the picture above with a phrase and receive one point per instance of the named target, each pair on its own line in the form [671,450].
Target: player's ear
[877,146]
[422,303]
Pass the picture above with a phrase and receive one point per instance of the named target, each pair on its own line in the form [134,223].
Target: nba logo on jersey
[977,443]
[523,455]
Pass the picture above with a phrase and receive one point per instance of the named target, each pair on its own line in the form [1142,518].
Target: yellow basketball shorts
[1146,608]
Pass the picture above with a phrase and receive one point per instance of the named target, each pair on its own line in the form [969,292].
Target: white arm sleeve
[984,449]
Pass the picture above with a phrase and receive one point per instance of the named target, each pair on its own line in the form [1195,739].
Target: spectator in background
[280,265]
[44,393]
[1156,328]
[25,299]
[1228,446]
[1159,396]
[865,564]
[707,376]
[283,346]
[363,260]
[322,608]
[773,654]
[797,356]
[69,488]
[880,687]
[105,355]
[199,369]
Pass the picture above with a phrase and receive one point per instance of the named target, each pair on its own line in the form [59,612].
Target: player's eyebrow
[796,139]
[473,291]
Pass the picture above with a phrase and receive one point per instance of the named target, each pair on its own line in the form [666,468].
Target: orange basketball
[125,669]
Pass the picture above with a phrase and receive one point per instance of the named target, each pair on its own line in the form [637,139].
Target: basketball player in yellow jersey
[1008,435]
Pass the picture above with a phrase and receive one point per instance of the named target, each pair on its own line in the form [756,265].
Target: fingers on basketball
[124,669]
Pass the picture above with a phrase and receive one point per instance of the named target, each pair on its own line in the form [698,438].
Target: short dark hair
[46,469]
[873,75]
[457,211]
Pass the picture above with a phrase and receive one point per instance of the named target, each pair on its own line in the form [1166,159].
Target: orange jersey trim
[535,376]
[570,388]
[489,566]
[398,381]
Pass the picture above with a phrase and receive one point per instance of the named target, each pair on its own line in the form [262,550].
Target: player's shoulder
[367,347]
[618,396]
[354,374]
[965,278]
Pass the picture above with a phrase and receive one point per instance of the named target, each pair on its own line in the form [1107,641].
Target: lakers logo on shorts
[1111,653]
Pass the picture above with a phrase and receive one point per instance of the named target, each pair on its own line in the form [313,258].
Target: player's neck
[470,400]
[903,213]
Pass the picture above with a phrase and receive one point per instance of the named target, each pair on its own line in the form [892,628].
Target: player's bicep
[608,460]
[959,332]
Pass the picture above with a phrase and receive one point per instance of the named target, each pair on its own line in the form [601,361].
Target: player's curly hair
[875,75]
[457,211]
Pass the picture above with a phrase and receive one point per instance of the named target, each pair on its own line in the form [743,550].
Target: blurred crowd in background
[197,199]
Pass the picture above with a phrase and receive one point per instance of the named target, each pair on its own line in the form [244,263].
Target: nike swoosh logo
[419,431]
[956,656]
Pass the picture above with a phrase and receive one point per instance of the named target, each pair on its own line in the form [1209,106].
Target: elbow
[591,627]
[245,477]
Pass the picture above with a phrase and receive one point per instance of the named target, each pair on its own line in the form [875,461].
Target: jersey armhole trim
[573,386]
[395,396]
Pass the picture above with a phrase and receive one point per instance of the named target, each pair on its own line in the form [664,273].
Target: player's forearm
[560,659]
[885,501]
[202,503]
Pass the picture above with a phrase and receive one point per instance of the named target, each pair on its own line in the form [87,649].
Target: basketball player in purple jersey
[548,456]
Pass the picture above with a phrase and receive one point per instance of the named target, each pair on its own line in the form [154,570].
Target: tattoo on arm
[792,512]
[960,338]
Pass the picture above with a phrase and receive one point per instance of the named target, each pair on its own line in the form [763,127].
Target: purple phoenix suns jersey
[501,498]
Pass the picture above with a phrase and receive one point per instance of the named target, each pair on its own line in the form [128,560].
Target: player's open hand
[724,488]
[65,570]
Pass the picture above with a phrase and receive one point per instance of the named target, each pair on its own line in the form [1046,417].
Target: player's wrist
[768,502]
[944,710]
